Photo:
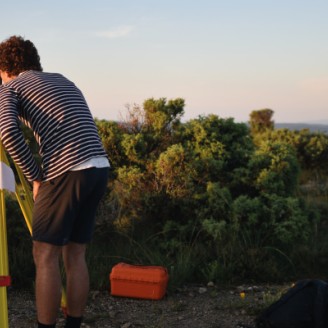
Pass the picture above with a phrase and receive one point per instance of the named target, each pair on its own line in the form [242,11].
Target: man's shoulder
[5,90]
[30,73]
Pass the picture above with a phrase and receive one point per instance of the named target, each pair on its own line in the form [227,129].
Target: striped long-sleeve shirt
[56,111]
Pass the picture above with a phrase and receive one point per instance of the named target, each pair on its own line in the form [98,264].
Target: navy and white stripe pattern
[55,109]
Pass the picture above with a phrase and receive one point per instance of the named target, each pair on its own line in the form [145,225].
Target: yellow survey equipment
[25,200]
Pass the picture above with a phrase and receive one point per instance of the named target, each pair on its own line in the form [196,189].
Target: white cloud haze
[119,32]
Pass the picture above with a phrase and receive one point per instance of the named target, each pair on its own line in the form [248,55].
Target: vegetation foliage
[210,199]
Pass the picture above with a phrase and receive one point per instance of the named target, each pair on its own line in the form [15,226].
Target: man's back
[55,109]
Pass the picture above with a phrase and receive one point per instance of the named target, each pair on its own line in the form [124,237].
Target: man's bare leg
[77,278]
[48,281]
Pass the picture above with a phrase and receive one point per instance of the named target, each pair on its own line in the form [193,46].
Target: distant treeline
[300,126]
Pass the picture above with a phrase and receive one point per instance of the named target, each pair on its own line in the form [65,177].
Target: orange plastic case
[138,281]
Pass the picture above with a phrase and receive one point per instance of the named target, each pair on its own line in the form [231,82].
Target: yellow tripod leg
[4,268]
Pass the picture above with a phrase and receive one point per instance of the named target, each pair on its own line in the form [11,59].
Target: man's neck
[5,77]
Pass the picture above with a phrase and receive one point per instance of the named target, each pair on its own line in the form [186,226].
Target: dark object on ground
[305,305]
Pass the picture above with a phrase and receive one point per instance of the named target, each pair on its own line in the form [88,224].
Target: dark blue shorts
[65,207]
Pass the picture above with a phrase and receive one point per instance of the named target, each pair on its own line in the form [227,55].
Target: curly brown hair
[18,55]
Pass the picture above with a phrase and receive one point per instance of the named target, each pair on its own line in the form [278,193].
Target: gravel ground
[192,307]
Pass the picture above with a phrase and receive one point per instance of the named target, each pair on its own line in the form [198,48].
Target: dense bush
[209,198]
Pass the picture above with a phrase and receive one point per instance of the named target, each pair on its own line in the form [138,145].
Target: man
[70,182]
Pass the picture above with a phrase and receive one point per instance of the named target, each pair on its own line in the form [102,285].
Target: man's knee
[44,253]
[74,253]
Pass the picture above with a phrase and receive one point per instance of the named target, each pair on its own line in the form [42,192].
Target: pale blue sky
[223,57]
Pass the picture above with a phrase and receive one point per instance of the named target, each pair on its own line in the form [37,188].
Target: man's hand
[36,185]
